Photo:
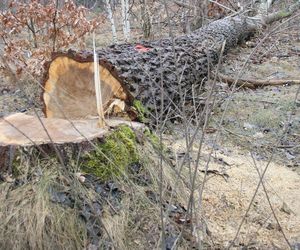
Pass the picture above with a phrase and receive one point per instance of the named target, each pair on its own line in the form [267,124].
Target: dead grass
[32,216]
[259,118]
[137,225]
[29,220]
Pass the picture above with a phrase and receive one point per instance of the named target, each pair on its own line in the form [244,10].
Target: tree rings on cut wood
[24,130]
[69,91]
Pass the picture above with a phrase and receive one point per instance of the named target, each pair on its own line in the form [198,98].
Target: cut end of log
[69,89]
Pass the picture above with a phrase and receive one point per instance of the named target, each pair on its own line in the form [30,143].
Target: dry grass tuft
[29,220]
[138,224]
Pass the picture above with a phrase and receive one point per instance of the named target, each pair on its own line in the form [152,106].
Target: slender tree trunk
[145,19]
[112,21]
[125,19]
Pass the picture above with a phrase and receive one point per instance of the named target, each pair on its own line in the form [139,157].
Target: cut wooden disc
[24,130]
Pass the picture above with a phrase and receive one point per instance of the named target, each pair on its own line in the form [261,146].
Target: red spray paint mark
[141,48]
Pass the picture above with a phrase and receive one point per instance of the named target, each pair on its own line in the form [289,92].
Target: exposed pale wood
[97,82]
[70,89]
[16,130]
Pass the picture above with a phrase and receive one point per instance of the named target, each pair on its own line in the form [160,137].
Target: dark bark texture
[174,65]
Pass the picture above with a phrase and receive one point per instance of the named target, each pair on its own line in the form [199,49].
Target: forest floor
[261,129]
[261,126]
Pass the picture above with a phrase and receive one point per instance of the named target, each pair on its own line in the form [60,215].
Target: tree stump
[50,135]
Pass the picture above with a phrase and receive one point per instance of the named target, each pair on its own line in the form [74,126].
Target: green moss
[266,118]
[17,167]
[284,13]
[141,110]
[114,155]
[154,140]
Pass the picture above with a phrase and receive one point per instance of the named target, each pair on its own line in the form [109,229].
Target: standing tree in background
[125,19]
[145,18]
[31,31]
[112,21]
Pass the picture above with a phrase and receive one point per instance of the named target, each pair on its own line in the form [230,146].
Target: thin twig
[270,204]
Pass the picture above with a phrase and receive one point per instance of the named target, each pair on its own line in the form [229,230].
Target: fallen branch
[184,5]
[254,83]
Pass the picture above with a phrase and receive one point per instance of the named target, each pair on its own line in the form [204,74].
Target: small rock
[22,110]
[80,177]
[248,126]
[250,44]
[274,59]
[5,91]
[286,209]
[289,156]
[258,135]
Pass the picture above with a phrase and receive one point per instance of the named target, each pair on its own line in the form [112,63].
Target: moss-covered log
[143,71]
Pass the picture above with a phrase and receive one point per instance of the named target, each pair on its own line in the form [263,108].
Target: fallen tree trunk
[144,71]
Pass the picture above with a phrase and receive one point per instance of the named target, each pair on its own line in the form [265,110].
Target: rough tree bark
[140,71]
